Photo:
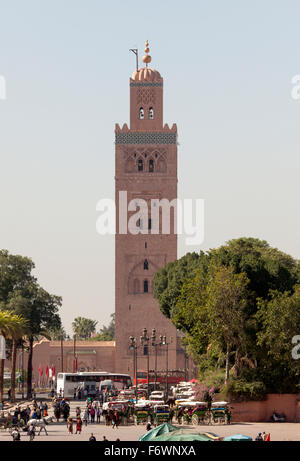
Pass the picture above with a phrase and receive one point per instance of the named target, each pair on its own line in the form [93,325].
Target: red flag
[76,364]
[268,438]
[53,371]
[47,371]
[41,371]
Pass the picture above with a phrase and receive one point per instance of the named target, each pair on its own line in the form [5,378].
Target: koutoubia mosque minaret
[146,168]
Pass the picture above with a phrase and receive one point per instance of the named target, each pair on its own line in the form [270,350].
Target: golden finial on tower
[147,58]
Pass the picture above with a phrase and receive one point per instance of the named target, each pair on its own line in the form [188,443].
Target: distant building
[90,355]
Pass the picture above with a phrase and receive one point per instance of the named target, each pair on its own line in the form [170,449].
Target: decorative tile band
[146,138]
[146,84]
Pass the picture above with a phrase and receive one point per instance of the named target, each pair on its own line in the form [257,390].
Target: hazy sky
[227,68]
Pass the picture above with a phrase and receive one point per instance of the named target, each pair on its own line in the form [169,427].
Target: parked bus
[174,377]
[67,382]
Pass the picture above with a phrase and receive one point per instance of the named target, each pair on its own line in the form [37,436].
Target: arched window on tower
[151,113]
[140,165]
[142,113]
[146,286]
[146,265]
[136,286]
[151,166]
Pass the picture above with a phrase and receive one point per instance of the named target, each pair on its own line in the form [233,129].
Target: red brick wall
[262,410]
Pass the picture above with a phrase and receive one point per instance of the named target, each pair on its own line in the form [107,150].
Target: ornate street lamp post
[133,347]
[145,341]
[165,343]
[155,344]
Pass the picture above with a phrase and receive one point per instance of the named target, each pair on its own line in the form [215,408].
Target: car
[156,395]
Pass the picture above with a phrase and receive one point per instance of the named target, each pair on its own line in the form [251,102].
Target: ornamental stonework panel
[145,138]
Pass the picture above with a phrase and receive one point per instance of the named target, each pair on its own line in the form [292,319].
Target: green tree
[83,327]
[40,309]
[227,301]
[14,327]
[168,281]
[279,322]
[106,333]
[56,334]
[213,299]
[15,273]
[21,294]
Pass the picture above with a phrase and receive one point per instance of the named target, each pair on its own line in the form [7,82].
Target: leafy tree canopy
[231,303]
[106,333]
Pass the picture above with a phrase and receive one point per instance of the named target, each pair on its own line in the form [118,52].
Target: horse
[65,410]
[40,423]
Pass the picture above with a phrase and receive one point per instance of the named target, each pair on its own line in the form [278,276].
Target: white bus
[67,382]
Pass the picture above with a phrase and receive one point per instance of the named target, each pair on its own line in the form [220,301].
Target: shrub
[241,390]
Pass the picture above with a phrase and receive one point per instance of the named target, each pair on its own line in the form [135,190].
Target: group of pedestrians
[263,437]
[21,415]
[91,414]
[25,416]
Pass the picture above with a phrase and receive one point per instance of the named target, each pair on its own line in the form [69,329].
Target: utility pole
[74,353]
[22,371]
[62,353]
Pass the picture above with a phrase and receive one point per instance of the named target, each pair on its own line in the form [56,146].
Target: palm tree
[11,326]
[84,327]
[19,331]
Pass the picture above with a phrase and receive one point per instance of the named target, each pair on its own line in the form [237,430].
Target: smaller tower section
[146,98]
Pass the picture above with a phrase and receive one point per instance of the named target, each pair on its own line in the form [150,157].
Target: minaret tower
[146,168]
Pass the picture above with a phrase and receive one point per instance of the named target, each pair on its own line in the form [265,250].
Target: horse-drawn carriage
[161,414]
[220,413]
[143,413]
[201,413]
[119,407]
[61,408]
[190,412]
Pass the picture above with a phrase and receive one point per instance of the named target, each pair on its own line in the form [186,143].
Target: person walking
[31,432]
[92,413]
[70,425]
[78,425]
[98,413]
[27,411]
[85,417]
[45,410]
[16,435]
[115,420]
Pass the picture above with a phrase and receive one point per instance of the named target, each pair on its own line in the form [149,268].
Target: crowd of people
[91,414]
[24,414]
